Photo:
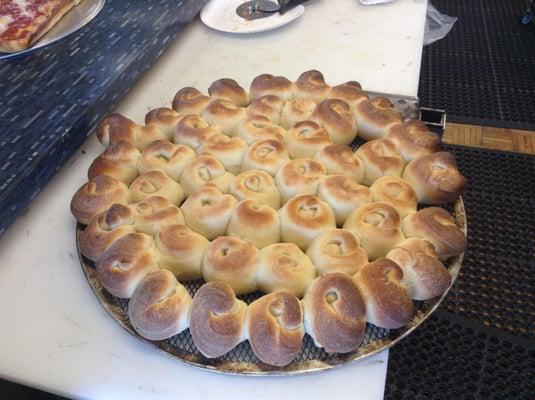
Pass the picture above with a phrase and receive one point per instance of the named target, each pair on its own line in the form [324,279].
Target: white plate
[76,18]
[221,15]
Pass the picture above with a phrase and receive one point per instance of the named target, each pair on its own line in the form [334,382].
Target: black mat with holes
[480,344]
[483,72]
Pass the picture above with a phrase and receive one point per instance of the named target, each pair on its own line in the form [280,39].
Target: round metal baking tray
[76,18]
[241,359]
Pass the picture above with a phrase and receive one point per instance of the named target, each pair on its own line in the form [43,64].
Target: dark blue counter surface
[51,99]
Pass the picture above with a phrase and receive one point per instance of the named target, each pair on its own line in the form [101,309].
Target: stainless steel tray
[70,23]
[241,359]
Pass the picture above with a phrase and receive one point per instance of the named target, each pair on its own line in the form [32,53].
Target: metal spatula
[256,9]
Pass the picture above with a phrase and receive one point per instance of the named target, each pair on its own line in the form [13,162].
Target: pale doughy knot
[155,212]
[232,260]
[435,178]
[378,226]
[193,131]
[203,170]
[216,319]
[258,127]
[284,266]
[305,138]
[165,156]
[190,101]
[96,196]
[375,117]
[275,328]
[207,211]
[413,139]
[337,250]
[335,313]
[165,119]
[351,92]
[159,307]
[225,115]
[125,263]
[268,106]
[267,155]
[339,159]
[438,227]
[296,110]
[424,275]
[380,158]
[256,222]
[230,90]
[156,183]
[344,195]
[267,84]
[334,115]
[303,218]
[116,127]
[311,85]
[397,192]
[119,161]
[388,304]
[302,175]
[227,150]
[256,184]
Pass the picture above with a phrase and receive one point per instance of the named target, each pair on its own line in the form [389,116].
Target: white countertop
[55,335]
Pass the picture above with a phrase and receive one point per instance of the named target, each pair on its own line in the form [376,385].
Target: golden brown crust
[334,115]
[165,119]
[193,131]
[275,328]
[156,183]
[203,170]
[283,266]
[351,92]
[105,228]
[256,222]
[388,304]
[311,84]
[159,306]
[116,127]
[229,89]
[256,184]
[380,158]
[124,264]
[119,161]
[302,175]
[225,115]
[413,138]
[423,273]
[258,127]
[296,110]
[335,313]
[207,211]
[166,157]
[227,150]
[303,218]
[378,226]
[97,196]
[155,212]
[337,250]
[339,159]
[397,192]
[268,106]
[305,138]
[344,195]
[267,155]
[189,100]
[216,319]
[232,260]
[267,84]
[375,117]
[435,178]
[437,226]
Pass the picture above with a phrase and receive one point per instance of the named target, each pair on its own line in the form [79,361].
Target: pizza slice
[23,22]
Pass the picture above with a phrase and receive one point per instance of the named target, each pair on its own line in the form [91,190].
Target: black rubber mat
[483,71]
[480,343]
